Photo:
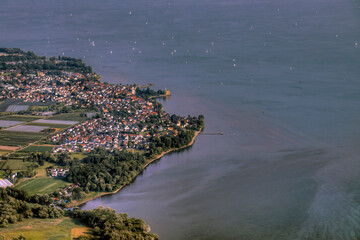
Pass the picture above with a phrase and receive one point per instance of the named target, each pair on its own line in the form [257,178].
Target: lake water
[279,78]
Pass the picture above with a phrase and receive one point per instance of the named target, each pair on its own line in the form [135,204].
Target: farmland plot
[5,123]
[12,138]
[17,108]
[26,128]
[55,122]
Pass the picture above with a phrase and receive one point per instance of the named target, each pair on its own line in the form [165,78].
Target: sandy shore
[77,203]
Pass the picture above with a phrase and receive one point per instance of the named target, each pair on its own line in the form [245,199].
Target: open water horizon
[279,78]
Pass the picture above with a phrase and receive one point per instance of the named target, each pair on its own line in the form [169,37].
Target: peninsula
[66,137]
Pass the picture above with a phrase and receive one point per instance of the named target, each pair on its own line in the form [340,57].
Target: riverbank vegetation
[107,224]
[17,206]
[106,171]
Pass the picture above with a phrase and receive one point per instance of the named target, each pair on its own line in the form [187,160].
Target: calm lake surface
[279,78]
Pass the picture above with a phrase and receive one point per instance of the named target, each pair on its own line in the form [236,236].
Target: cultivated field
[8,102]
[9,138]
[55,121]
[19,105]
[40,229]
[6,123]
[35,148]
[47,125]
[24,118]
[68,117]
[42,185]
[26,128]
[7,148]
[17,108]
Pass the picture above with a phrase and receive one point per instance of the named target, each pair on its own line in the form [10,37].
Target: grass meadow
[17,165]
[38,229]
[42,185]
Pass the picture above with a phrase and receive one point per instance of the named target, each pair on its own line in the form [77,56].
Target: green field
[141,152]
[24,118]
[42,185]
[68,117]
[12,138]
[41,170]
[38,149]
[38,229]
[16,164]
[50,125]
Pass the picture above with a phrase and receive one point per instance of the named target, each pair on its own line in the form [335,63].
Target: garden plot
[5,123]
[55,122]
[26,128]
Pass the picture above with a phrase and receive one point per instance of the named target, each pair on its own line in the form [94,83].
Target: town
[123,120]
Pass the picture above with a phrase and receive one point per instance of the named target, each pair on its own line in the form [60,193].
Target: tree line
[102,170]
[28,62]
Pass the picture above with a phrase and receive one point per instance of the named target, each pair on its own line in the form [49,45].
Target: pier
[212,133]
[147,86]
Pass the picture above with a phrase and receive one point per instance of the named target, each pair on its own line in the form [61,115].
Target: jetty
[212,133]
[147,86]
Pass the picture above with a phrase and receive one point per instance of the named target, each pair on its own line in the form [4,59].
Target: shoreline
[77,204]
